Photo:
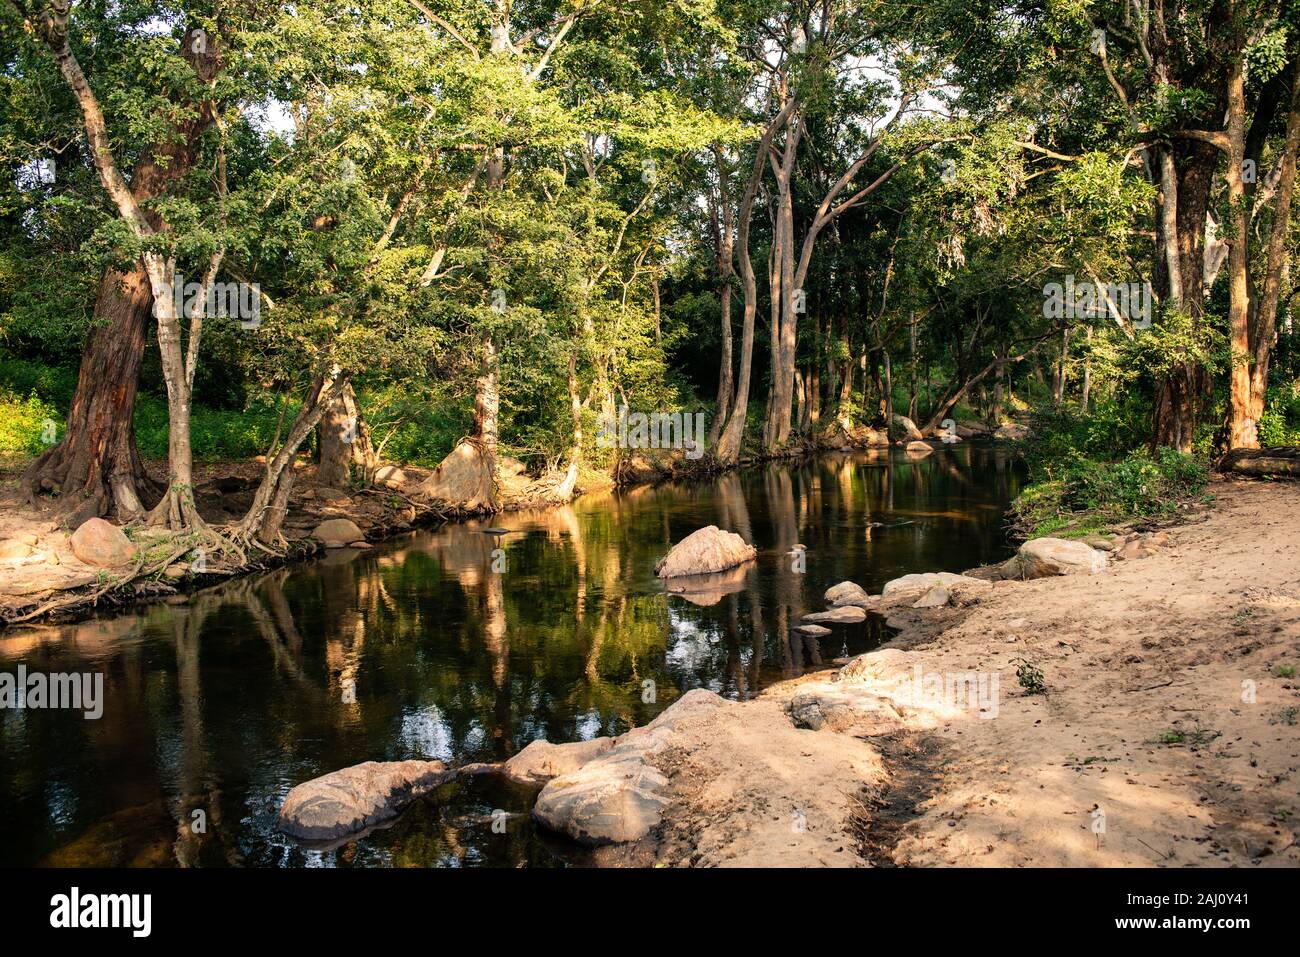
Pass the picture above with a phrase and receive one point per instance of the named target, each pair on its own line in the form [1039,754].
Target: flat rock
[847,593]
[845,614]
[541,761]
[706,551]
[97,542]
[12,550]
[813,631]
[390,475]
[344,802]
[338,531]
[924,581]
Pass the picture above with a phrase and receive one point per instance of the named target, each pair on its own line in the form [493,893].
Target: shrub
[27,426]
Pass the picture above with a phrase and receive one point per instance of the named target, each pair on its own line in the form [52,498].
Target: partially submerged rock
[619,796]
[353,799]
[704,552]
[844,614]
[338,531]
[541,761]
[919,448]
[97,542]
[847,593]
[1046,557]
[813,631]
[924,581]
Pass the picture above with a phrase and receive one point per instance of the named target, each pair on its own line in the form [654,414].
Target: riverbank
[1165,731]
[45,576]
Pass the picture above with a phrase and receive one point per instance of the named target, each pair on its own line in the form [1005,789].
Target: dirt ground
[1167,733]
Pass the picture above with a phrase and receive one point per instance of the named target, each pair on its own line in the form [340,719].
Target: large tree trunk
[466,479]
[96,469]
[344,441]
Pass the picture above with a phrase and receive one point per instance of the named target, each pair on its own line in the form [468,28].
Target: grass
[1284,671]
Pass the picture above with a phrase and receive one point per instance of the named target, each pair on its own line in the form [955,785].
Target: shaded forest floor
[1167,733]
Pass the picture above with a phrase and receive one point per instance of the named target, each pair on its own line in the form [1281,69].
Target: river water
[459,645]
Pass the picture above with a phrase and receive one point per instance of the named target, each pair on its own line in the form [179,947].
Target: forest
[998,292]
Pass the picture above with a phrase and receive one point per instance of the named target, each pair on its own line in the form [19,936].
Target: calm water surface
[223,703]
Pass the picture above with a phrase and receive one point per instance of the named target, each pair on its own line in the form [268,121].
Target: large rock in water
[847,593]
[97,542]
[924,581]
[840,615]
[344,802]
[541,761]
[1045,557]
[704,552]
[338,531]
[620,796]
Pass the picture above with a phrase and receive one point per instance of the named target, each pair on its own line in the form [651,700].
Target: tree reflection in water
[419,648]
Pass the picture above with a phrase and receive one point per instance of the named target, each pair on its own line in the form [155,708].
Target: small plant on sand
[1030,676]
[1286,716]
[1197,738]
[1284,671]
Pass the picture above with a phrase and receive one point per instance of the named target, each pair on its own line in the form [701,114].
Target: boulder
[904,429]
[620,795]
[812,631]
[511,466]
[847,593]
[705,552]
[1012,432]
[338,531]
[353,799]
[936,597]
[541,761]
[1046,557]
[919,448]
[924,581]
[844,614]
[99,543]
[333,495]
[390,475]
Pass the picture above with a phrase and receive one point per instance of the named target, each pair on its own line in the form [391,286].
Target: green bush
[27,426]
[1280,423]
[1086,495]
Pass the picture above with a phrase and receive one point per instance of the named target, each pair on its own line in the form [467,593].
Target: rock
[806,712]
[175,571]
[936,597]
[1104,542]
[904,429]
[338,531]
[619,796]
[390,475]
[1012,432]
[541,761]
[845,614]
[1137,548]
[326,494]
[704,552]
[812,631]
[344,802]
[97,542]
[1045,557]
[877,665]
[924,581]
[919,448]
[511,466]
[12,550]
[847,593]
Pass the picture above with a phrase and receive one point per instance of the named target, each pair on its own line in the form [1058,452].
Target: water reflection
[216,706]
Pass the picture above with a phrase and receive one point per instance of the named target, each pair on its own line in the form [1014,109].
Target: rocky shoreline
[1058,757]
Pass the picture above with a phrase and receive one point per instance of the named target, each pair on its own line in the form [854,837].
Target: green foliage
[1029,676]
[1280,423]
[25,423]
